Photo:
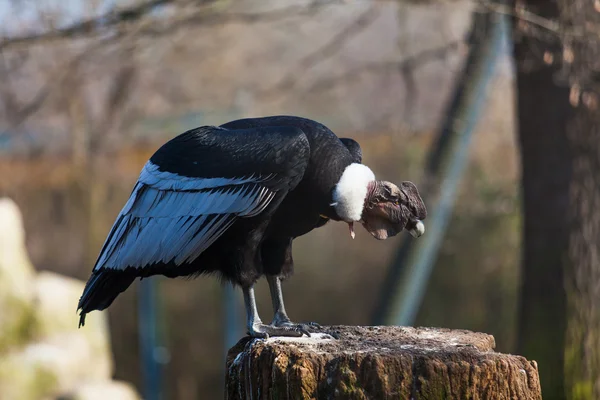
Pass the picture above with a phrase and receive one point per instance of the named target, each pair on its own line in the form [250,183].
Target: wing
[354,149]
[196,186]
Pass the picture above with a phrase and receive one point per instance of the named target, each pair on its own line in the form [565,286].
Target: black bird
[231,200]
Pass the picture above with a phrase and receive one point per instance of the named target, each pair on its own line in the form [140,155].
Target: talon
[334,334]
[301,329]
[296,332]
[258,334]
[304,331]
[263,331]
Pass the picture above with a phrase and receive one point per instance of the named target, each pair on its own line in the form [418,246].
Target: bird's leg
[255,326]
[252,317]
[280,318]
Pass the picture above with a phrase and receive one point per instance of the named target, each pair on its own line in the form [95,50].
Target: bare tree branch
[206,17]
[337,42]
[408,64]
[125,21]
[572,31]
[115,103]
[18,113]
[15,112]
[87,27]
[331,48]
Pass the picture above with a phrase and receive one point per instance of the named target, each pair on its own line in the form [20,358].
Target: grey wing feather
[160,225]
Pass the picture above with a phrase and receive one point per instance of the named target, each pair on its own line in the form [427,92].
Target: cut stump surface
[379,363]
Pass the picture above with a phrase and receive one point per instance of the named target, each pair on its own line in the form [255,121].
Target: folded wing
[173,217]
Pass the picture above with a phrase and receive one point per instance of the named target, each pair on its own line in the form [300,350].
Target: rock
[56,300]
[114,390]
[43,354]
[379,363]
[16,274]
[22,380]
[50,367]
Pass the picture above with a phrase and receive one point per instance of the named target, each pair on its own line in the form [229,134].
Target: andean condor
[231,200]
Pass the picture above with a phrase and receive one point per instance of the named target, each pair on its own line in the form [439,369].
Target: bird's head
[389,209]
[383,208]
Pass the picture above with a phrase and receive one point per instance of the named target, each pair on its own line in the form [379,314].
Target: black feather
[354,149]
[303,159]
[101,290]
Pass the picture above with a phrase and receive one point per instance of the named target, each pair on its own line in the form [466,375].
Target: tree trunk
[378,363]
[559,130]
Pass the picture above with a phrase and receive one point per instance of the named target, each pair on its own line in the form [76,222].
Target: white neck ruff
[350,192]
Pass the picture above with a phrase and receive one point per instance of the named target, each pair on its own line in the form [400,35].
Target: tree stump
[378,363]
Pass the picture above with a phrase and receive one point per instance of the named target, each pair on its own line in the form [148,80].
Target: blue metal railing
[408,276]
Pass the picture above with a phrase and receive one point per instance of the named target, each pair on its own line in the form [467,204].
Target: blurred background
[491,108]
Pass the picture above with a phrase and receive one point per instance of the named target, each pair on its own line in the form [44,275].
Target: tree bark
[378,363]
[559,131]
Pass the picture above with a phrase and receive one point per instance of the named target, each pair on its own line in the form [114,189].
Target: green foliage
[21,328]
[349,385]
[474,283]
[20,379]
[580,388]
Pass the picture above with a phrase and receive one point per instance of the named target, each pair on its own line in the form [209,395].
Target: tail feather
[101,290]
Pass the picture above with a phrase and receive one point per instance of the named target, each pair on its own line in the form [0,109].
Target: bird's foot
[265,331]
[308,328]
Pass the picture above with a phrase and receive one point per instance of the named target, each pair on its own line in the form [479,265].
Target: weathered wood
[558,108]
[379,363]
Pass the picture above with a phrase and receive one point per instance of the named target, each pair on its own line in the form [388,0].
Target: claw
[255,333]
[303,330]
[263,331]
[306,329]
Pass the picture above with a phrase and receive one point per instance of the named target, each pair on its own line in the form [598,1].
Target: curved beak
[418,230]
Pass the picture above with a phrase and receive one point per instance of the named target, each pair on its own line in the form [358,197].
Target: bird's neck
[351,191]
